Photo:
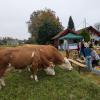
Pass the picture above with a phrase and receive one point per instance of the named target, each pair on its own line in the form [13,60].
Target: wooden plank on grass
[77,63]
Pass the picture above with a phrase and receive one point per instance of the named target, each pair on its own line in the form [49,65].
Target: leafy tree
[43,25]
[86,35]
[30,41]
[71,24]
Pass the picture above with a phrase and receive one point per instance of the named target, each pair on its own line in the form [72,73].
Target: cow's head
[50,70]
[66,65]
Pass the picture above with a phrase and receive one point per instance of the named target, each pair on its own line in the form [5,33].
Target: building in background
[92,32]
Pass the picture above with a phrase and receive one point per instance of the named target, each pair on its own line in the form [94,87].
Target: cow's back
[49,51]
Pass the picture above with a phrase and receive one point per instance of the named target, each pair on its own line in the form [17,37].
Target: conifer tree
[71,24]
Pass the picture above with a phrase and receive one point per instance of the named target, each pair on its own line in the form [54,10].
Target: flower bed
[96,70]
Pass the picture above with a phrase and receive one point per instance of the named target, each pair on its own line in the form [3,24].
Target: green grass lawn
[63,86]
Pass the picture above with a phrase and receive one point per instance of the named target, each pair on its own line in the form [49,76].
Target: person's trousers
[89,63]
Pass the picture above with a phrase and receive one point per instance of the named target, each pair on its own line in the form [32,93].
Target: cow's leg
[35,75]
[2,71]
[31,76]
[29,68]
[36,78]
[34,70]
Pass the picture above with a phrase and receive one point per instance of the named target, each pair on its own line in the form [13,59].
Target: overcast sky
[15,13]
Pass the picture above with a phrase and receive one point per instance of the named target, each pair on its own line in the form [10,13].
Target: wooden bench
[80,65]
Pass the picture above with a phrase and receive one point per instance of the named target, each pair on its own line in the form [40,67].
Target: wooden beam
[77,63]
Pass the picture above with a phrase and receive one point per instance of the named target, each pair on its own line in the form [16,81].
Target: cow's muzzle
[66,65]
[49,71]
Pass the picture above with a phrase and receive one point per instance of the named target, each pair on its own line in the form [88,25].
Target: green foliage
[43,25]
[30,41]
[71,24]
[86,35]
[63,86]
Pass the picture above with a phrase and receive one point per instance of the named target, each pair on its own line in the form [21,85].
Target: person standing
[95,57]
[82,47]
[66,48]
[78,49]
[87,52]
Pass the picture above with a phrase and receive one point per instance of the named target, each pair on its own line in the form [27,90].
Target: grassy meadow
[63,86]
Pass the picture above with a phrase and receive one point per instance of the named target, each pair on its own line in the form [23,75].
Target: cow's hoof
[31,76]
[36,78]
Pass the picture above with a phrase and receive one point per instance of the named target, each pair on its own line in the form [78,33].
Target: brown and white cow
[20,58]
[53,55]
[38,56]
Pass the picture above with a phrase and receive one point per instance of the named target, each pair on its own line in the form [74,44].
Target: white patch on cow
[33,54]
[49,71]
[67,64]
[36,79]
[2,82]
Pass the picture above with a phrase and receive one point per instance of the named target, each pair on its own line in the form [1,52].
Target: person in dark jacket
[82,47]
